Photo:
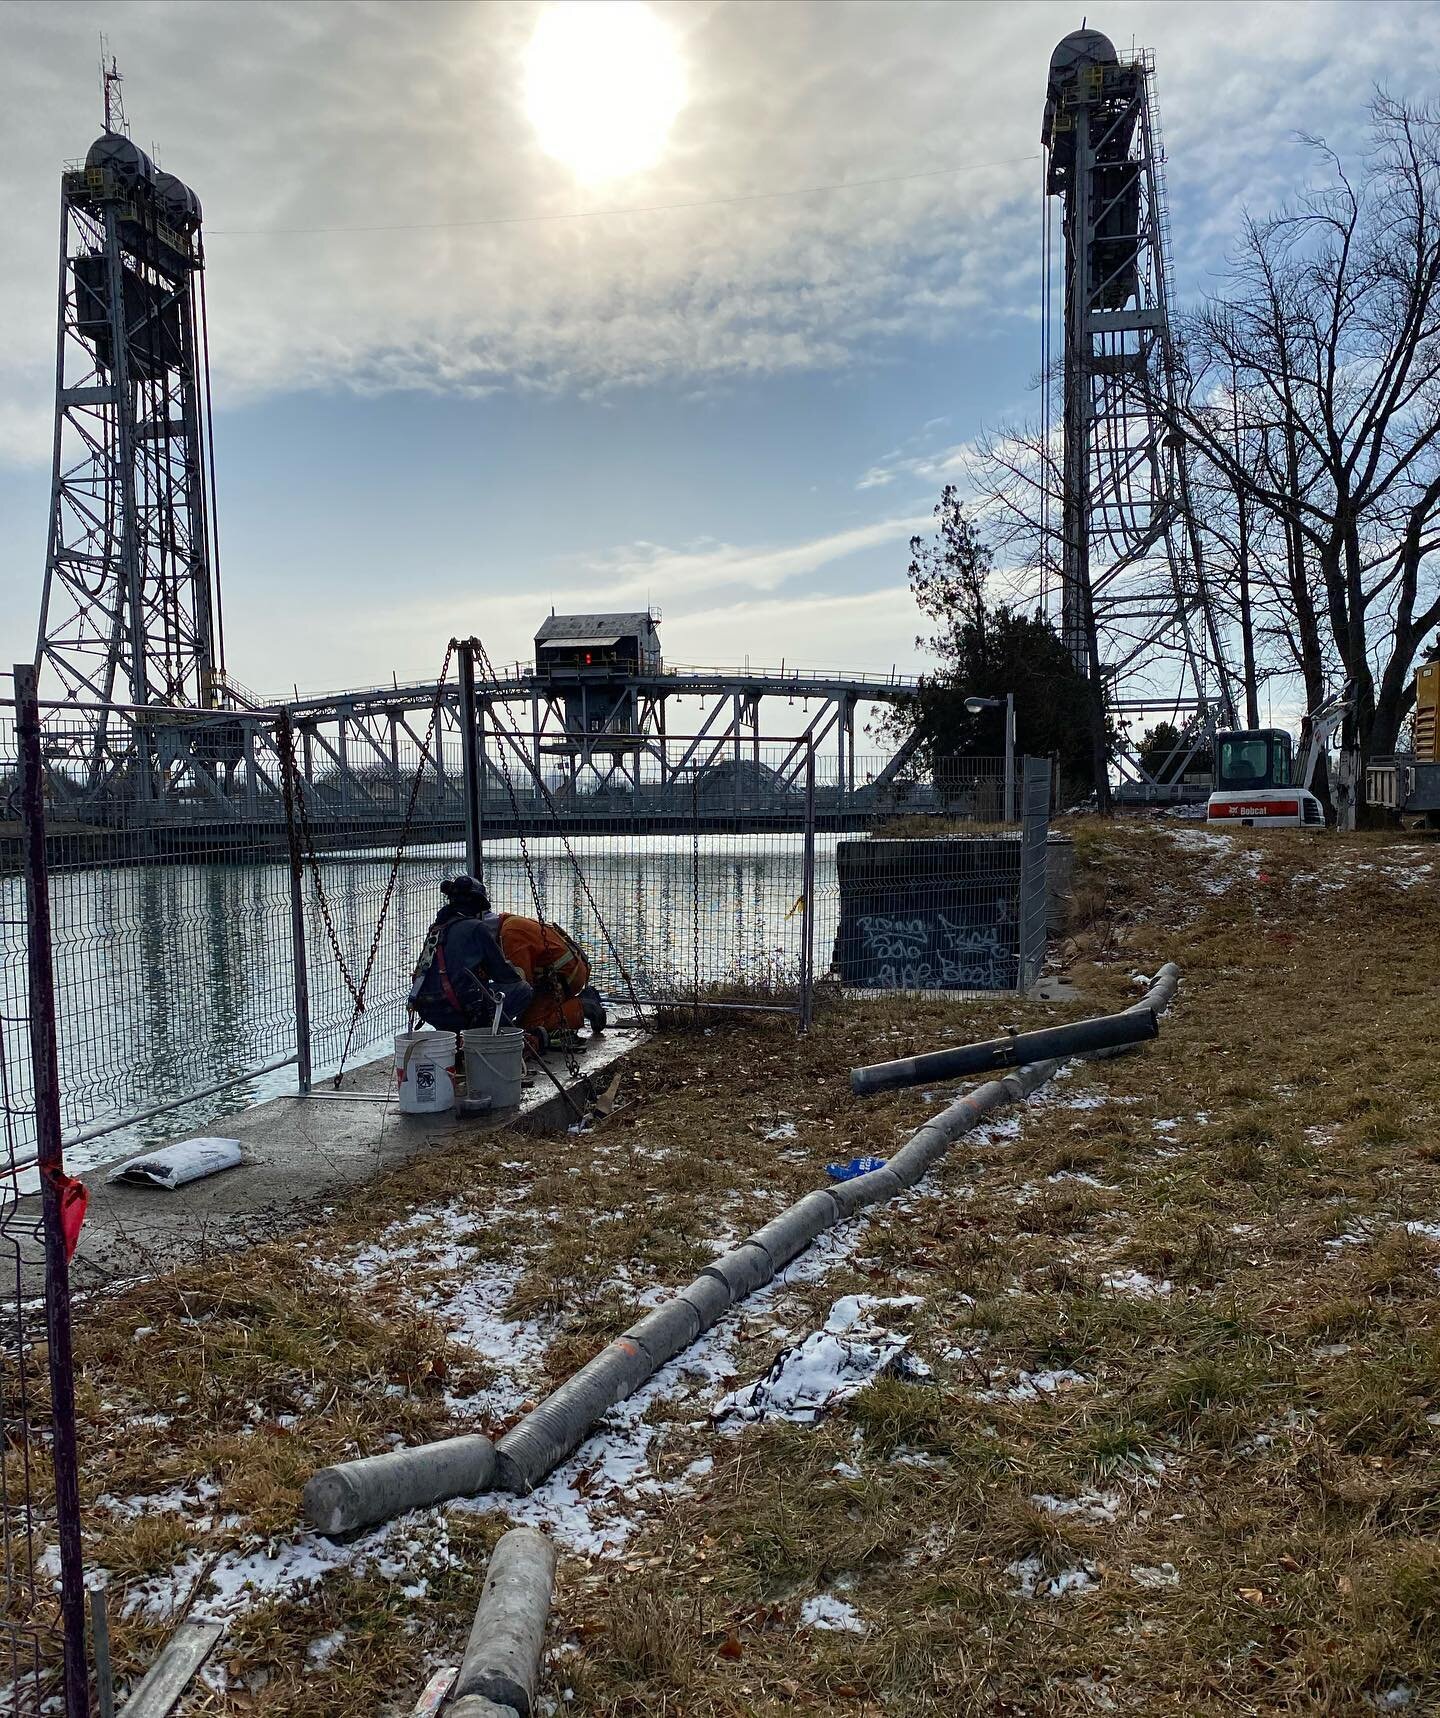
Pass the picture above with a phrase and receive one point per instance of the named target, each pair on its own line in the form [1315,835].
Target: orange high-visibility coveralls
[551,964]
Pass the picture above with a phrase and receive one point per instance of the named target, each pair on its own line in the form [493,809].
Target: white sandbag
[172,1167]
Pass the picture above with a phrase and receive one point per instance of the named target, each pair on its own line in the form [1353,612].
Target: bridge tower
[130,608]
[1135,607]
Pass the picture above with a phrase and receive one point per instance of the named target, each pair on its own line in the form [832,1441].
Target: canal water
[172,978]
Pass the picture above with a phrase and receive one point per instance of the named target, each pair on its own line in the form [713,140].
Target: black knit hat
[466,891]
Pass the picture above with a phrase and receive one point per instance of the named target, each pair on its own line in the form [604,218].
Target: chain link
[484,658]
[295,801]
[291,775]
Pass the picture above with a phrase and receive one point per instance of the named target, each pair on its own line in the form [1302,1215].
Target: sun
[603,84]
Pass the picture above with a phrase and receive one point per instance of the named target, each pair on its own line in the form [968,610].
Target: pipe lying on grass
[1017,1050]
[355,1494]
[560,1423]
[502,1656]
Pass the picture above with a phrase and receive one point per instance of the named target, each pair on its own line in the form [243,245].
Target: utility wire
[640,209]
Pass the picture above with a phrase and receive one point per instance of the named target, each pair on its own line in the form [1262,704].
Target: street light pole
[975,704]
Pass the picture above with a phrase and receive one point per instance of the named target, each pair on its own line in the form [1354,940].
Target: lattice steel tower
[129,612]
[1135,606]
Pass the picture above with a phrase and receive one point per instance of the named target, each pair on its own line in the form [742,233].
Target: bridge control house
[597,657]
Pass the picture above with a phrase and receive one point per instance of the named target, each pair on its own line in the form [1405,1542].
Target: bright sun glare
[603,83]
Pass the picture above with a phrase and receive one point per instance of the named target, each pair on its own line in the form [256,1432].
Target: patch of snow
[1082,1178]
[825,1611]
[785,1130]
[1392,1700]
[1331,1350]
[1034,1582]
[1136,1283]
[828,1367]
[1155,1575]
[1091,1505]
[177,1501]
[1031,1386]
[1431,1231]
[848,1311]
[321,1651]
[1202,840]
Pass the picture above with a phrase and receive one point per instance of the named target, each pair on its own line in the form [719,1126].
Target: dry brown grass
[1264,1431]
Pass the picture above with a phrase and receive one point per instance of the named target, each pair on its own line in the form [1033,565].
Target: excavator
[1258,781]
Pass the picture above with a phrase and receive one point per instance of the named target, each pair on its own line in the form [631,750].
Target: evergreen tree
[988,651]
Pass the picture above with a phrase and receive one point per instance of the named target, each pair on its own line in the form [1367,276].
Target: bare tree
[1316,399]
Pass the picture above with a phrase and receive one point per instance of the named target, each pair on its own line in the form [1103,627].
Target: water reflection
[174,977]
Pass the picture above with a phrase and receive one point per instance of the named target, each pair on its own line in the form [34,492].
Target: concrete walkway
[299,1153]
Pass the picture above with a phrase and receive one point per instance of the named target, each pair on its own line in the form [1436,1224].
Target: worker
[461,977]
[476,960]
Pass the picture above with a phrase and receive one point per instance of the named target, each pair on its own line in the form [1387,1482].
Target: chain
[580,876]
[359,994]
[295,801]
[572,1059]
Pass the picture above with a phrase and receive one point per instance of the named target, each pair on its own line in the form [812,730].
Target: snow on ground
[592,1502]
[828,1367]
[429,1246]
[1089,1505]
[228,1585]
[1035,1582]
[1202,840]
[1136,1283]
[825,1611]
[1031,1386]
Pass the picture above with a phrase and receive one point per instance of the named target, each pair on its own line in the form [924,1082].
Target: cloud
[717,598]
[290,120]
[646,567]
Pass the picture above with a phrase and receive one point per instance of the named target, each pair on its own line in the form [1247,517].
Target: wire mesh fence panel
[923,891]
[173,982]
[679,865]
[35,1665]
[30,1630]
[366,909]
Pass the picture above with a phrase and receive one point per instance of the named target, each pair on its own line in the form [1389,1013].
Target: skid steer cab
[1255,783]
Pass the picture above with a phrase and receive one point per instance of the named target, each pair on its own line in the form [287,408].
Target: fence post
[470,758]
[44,1063]
[807,896]
[1034,865]
[299,958]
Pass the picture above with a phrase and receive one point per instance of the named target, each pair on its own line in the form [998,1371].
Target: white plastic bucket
[494,1063]
[425,1072]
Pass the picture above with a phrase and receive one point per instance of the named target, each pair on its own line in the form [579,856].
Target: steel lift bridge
[1136,608]
[592,718]
[129,615]
[142,725]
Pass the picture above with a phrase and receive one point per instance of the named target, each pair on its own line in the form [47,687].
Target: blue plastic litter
[856,1166]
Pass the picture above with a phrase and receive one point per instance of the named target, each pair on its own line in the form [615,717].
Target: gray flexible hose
[560,1423]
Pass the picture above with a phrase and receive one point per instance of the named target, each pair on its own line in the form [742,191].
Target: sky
[715,347]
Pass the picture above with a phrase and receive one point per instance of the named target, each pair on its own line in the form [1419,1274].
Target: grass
[1259,1426]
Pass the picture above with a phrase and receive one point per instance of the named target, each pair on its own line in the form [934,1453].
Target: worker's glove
[537,1040]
